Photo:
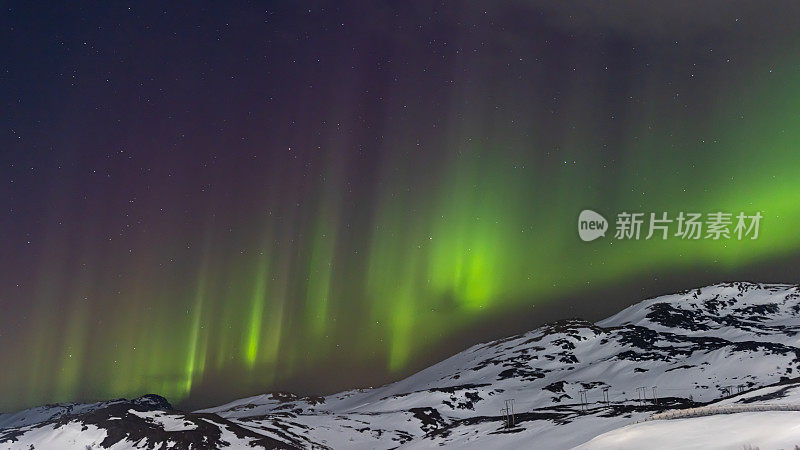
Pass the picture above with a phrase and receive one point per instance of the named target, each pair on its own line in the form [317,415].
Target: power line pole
[655,394]
[642,395]
[508,413]
[584,401]
[605,396]
[726,390]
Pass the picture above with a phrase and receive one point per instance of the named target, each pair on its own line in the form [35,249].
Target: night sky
[208,202]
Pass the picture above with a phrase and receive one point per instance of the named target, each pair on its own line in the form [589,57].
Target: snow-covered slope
[749,430]
[762,418]
[145,422]
[668,352]
[52,412]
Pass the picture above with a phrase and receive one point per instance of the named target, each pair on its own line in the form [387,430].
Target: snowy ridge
[48,413]
[671,352]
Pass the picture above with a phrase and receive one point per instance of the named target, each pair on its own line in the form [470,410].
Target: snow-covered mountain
[570,382]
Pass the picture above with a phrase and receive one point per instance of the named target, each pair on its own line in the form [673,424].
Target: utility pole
[584,401]
[508,413]
[605,396]
[642,394]
[726,390]
[655,394]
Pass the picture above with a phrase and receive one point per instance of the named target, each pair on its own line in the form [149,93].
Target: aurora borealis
[210,202]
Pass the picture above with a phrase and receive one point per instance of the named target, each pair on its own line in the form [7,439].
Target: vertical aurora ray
[197,347]
[75,338]
[259,299]
[319,280]
[195,361]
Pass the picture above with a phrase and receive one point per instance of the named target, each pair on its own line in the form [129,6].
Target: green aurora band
[468,221]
